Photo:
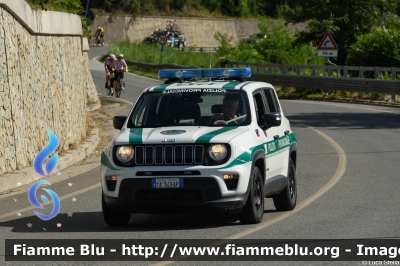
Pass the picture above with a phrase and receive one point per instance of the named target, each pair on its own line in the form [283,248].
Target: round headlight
[125,153]
[218,152]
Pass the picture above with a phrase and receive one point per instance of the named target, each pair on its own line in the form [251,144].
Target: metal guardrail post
[393,78]
[313,71]
[298,70]
[361,72]
[258,68]
[345,71]
[283,70]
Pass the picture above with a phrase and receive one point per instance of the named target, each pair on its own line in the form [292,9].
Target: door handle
[276,137]
[286,132]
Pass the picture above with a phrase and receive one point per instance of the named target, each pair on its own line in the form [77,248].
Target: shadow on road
[346,120]
[94,222]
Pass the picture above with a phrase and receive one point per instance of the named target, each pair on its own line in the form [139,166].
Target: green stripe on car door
[271,146]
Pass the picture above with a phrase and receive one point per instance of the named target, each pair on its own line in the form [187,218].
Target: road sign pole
[333,64]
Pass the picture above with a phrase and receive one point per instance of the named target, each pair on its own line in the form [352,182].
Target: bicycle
[119,85]
[98,41]
[109,86]
[171,26]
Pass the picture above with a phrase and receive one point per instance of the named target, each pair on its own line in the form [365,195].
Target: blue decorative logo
[41,156]
[35,202]
[50,165]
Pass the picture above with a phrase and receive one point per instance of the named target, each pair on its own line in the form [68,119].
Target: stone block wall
[198,31]
[45,84]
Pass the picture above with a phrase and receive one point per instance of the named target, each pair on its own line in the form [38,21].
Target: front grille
[169,155]
[168,194]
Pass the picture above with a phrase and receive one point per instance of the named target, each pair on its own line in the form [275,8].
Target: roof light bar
[244,72]
[180,73]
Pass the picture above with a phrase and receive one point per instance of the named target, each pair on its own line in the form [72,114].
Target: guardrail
[158,66]
[196,49]
[325,77]
[200,49]
[311,76]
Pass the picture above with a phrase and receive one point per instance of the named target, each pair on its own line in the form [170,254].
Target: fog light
[231,181]
[111,182]
[230,176]
[111,178]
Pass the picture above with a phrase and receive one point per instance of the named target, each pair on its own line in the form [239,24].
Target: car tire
[113,218]
[253,211]
[287,198]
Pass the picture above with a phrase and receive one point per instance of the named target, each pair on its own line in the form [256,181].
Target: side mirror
[271,120]
[119,121]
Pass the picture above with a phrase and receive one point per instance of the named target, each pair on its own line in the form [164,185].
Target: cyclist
[120,66]
[109,66]
[100,31]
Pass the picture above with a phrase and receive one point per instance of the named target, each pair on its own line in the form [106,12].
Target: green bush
[381,47]
[67,6]
[211,5]
[146,53]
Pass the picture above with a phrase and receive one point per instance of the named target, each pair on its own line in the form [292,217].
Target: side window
[137,117]
[259,107]
[272,100]
[140,121]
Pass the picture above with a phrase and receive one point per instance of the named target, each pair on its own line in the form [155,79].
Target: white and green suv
[179,149]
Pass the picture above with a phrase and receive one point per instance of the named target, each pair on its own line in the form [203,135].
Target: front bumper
[200,194]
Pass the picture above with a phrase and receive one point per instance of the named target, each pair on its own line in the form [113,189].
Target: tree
[381,47]
[40,3]
[344,19]
[236,8]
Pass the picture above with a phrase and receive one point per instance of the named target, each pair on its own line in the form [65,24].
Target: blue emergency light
[205,73]
[244,72]
[180,73]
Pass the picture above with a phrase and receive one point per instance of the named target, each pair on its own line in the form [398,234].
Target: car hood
[194,134]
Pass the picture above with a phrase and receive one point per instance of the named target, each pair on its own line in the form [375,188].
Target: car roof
[248,86]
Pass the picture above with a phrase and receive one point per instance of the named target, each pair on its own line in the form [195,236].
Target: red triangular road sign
[327,43]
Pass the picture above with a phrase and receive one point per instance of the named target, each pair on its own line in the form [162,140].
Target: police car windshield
[191,107]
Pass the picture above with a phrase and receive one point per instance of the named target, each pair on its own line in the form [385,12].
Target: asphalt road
[348,174]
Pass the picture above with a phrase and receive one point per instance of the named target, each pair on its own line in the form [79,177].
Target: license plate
[167,182]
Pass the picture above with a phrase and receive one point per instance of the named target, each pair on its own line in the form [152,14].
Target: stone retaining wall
[45,84]
[198,31]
